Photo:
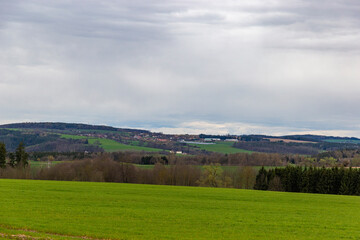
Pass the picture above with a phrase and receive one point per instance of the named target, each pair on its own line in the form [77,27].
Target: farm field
[343,141]
[220,147]
[112,146]
[64,210]
[223,167]
[40,164]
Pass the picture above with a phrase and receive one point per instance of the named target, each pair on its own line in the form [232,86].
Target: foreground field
[64,210]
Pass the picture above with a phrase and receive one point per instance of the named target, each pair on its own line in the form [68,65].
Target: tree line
[17,159]
[294,148]
[344,181]
[338,158]
[105,169]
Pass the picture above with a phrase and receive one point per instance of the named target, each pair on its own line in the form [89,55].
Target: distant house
[177,152]
[180,152]
[211,139]
[231,140]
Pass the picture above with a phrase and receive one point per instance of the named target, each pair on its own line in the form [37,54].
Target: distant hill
[320,138]
[66,126]
[77,137]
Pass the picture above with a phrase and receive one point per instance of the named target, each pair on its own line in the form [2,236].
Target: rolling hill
[75,137]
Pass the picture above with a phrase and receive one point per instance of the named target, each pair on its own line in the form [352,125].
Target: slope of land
[46,137]
[110,145]
[126,211]
[220,147]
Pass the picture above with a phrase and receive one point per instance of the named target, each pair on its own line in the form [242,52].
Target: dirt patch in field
[28,237]
[19,236]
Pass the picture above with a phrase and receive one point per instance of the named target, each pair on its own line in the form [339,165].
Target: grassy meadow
[64,210]
[111,145]
[220,147]
[343,141]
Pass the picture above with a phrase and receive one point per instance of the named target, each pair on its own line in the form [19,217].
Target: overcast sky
[238,67]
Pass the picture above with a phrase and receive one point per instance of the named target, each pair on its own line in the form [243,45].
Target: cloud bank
[236,67]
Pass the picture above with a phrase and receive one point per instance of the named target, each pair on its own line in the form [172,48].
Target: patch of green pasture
[220,147]
[40,164]
[110,145]
[69,136]
[135,142]
[122,133]
[223,167]
[143,166]
[257,168]
[14,129]
[134,211]
[343,141]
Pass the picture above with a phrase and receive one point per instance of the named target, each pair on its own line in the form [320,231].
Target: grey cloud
[291,64]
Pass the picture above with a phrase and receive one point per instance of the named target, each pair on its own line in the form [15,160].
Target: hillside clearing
[111,145]
[220,147]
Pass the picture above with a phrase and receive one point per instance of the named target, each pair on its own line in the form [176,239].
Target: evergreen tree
[357,187]
[286,179]
[353,181]
[2,155]
[262,180]
[345,183]
[305,182]
[336,179]
[12,162]
[21,157]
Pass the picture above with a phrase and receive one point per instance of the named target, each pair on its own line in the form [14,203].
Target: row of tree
[17,159]
[104,169]
[344,181]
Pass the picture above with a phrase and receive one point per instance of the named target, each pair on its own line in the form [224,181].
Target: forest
[343,181]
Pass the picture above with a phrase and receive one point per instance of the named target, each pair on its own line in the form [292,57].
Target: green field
[220,147]
[343,141]
[40,164]
[58,210]
[111,145]
[223,167]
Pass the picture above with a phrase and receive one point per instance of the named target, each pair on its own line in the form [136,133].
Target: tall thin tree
[2,155]
[21,157]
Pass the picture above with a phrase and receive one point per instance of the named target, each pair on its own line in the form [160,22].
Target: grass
[128,211]
[343,141]
[68,136]
[13,129]
[111,145]
[40,164]
[257,168]
[223,167]
[220,147]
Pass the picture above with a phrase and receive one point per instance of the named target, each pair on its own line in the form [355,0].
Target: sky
[221,67]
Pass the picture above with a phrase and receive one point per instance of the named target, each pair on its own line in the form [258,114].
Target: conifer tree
[12,162]
[21,157]
[345,183]
[2,155]
[262,180]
